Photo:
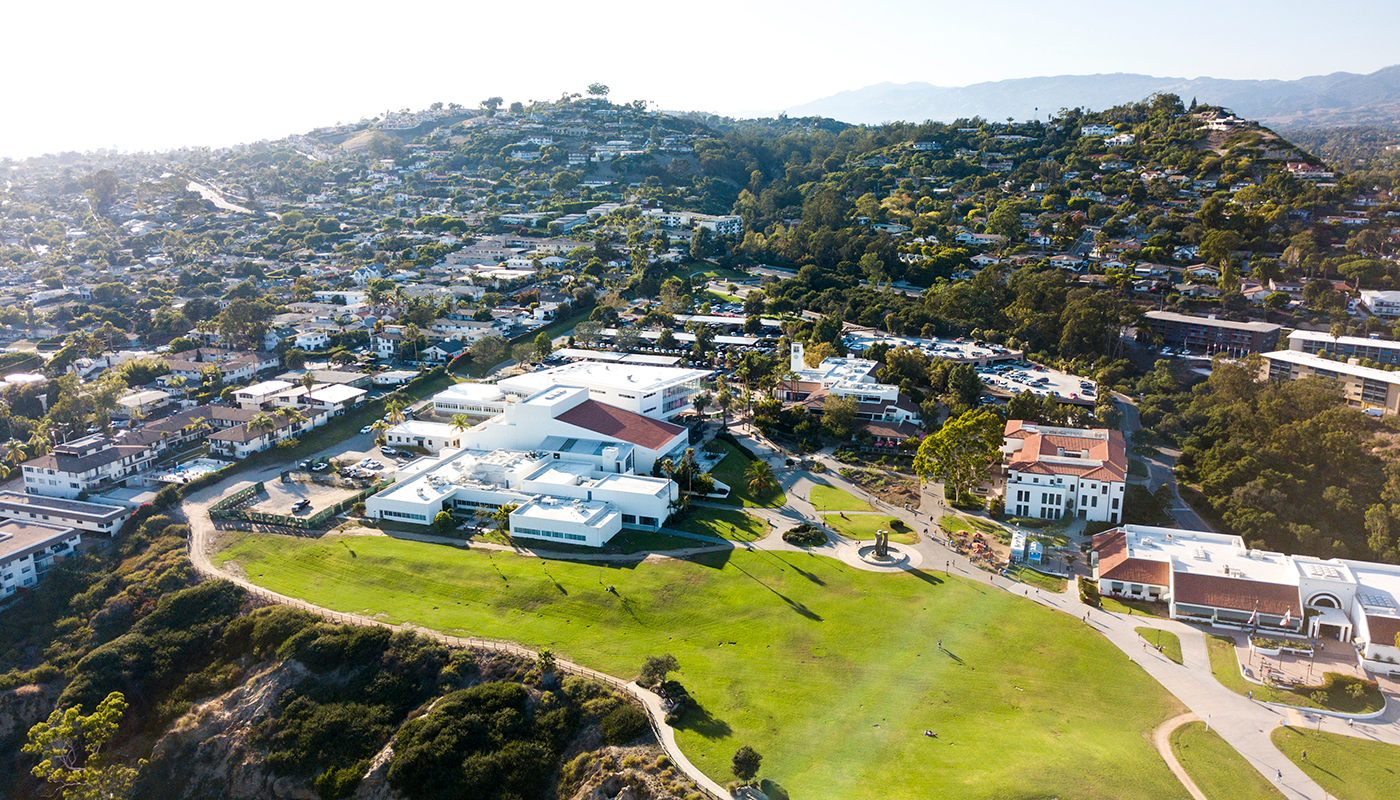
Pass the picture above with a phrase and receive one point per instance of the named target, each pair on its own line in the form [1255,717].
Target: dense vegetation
[1286,465]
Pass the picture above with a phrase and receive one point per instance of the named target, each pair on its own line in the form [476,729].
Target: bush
[625,723]
[805,535]
[655,669]
[1089,593]
[968,502]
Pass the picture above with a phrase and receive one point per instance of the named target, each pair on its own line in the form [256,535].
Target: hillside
[1342,98]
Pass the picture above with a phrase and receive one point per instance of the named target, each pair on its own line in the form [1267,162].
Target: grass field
[829,498]
[1347,767]
[956,523]
[731,472]
[831,673]
[1030,577]
[1170,644]
[726,523]
[864,526]
[1224,664]
[1219,771]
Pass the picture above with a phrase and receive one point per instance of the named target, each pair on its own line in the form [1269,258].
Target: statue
[882,544]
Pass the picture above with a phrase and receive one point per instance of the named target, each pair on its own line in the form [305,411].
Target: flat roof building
[1214,578]
[28,549]
[651,391]
[1211,335]
[1367,388]
[94,517]
[1381,351]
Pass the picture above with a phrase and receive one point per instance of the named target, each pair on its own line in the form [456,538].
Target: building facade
[28,550]
[1375,391]
[1210,334]
[1054,472]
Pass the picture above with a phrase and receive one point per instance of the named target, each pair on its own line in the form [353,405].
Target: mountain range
[1342,98]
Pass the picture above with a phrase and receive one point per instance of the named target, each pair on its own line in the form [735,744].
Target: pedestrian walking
[1351,723]
[1280,774]
[1251,694]
[1305,755]
[940,644]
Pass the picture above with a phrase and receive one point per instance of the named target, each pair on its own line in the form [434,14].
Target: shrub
[805,535]
[655,669]
[1089,593]
[288,444]
[625,723]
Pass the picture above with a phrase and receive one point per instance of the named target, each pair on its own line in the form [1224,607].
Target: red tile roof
[1116,565]
[1105,459]
[617,423]
[1217,591]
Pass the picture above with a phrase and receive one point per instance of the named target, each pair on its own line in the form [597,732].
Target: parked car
[301,505]
[387,450]
[366,429]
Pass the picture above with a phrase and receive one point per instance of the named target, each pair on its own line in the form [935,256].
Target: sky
[152,75]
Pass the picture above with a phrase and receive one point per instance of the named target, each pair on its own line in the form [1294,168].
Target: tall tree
[71,748]
[962,452]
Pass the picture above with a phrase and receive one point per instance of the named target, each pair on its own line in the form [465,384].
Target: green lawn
[1140,608]
[1219,771]
[726,523]
[1347,767]
[1225,666]
[1028,576]
[864,526]
[831,673]
[731,472]
[956,523]
[1171,645]
[829,498]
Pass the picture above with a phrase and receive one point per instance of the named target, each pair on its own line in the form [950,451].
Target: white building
[568,463]
[312,340]
[1056,471]
[843,377]
[1214,578]
[652,391]
[472,399]
[87,464]
[1382,303]
[93,517]
[243,440]
[1097,130]
[431,436]
[28,549]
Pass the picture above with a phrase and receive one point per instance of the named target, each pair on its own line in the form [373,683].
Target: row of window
[403,515]
[633,519]
[573,537]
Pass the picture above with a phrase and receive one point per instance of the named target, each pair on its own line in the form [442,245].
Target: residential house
[28,550]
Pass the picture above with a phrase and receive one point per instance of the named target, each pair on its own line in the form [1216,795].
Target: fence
[225,508]
[219,508]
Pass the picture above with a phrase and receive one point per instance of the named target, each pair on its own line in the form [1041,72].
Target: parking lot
[282,497]
[1012,379]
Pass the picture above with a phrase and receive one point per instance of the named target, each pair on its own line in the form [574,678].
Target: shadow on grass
[954,656]
[773,790]
[700,721]
[930,579]
[796,606]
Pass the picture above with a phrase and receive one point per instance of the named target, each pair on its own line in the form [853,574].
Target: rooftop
[1340,367]
[19,539]
[39,504]
[618,423]
[593,513]
[601,375]
[1172,316]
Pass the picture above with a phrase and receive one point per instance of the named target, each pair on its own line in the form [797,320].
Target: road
[1161,468]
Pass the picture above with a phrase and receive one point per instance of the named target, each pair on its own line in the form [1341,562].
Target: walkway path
[1246,725]
[1162,739]
[202,532]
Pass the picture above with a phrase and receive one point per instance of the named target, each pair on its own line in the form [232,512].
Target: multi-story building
[1376,391]
[92,517]
[89,464]
[1213,578]
[1052,472]
[1382,303]
[1211,334]
[28,549]
[1381,351]
[651,391]
[568,463]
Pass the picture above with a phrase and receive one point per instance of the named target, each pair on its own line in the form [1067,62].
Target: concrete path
[195,508]
[1162,739]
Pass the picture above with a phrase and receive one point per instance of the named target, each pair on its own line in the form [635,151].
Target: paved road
[1161,468]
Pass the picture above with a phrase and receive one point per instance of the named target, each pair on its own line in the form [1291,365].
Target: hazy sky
[151,75]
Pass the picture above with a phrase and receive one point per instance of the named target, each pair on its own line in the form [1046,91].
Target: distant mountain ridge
[1342,98]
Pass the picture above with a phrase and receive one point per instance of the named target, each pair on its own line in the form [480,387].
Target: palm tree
[308,380]
[14,451]
[461,422]
[378,428]
[394,412]
[291,415]
[761,478]
[262,422]
[410,335]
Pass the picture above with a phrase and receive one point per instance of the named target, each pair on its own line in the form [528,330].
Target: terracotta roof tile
[1218,591]
[617,423]
[1115,564]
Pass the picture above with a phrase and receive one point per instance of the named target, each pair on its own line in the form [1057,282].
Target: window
[1105,489]
[1115,504]
[629,519]
[649,521]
